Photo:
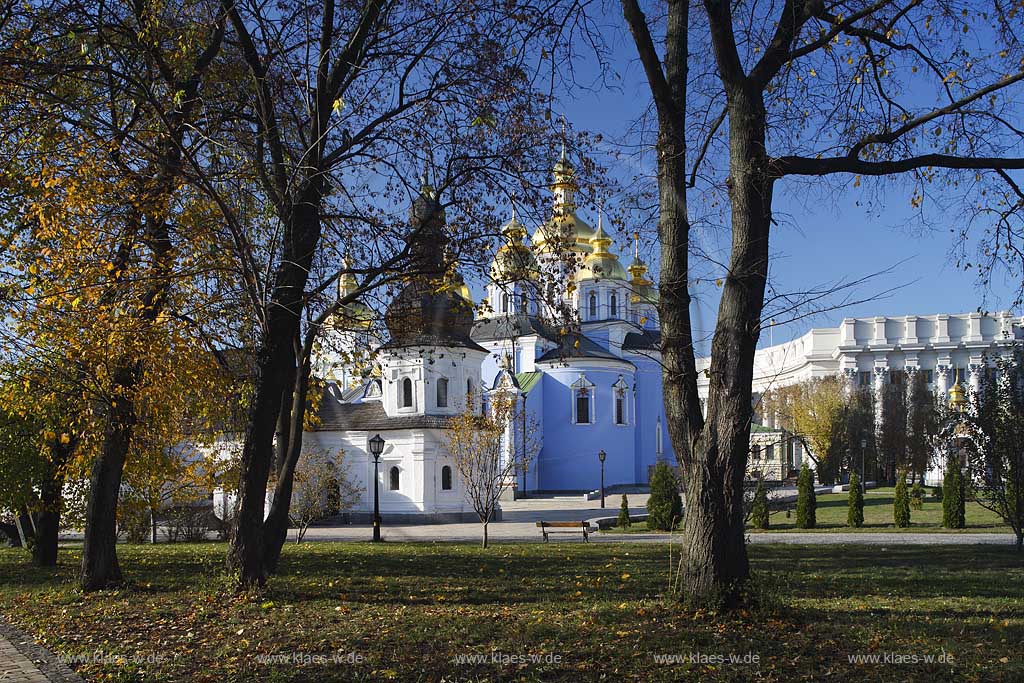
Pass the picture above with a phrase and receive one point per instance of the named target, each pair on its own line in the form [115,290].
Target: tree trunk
[283,431]
[483,540]
[716,564]
[51,498]
[276,525]
[100,568]
[44,552]
[20,526]
[302,232]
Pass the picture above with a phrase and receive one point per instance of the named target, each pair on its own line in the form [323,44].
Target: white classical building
[871,352]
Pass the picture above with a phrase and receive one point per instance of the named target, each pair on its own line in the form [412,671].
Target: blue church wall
[489,368]
[534,410]
[649,407]
[568,460]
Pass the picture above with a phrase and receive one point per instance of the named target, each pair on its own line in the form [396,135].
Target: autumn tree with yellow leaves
[813,411]
[100,102]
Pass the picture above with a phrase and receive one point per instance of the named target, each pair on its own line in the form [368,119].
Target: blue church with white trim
[565,325]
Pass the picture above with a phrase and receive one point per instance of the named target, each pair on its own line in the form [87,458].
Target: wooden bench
[564,528]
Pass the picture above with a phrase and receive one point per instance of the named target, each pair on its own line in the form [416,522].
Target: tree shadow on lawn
[936,571]
[471,576]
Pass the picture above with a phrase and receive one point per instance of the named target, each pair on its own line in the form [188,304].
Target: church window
[582,400]
[406,393]
[619,400]
[593,306]
[505,303]
[442,393]
[613,306]
[864,379]
[394,479]
[446,478]
[755,452]
[582,406]
[928,378]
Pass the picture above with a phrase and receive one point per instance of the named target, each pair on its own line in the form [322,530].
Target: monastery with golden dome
[566,326]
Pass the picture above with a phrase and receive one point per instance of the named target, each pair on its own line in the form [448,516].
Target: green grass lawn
[831,517]
[832,510]
[588,612]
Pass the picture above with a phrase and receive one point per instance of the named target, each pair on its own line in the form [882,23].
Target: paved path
[519,524]
[22,660]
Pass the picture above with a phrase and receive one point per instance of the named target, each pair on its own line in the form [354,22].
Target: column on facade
[974,375]
[881,373]
[849,381]
[941,381]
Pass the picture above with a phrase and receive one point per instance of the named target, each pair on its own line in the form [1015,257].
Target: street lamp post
[376,448]
[601,455]
[863,484]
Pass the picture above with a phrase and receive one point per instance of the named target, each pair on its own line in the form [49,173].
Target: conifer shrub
[901,502]
[855,504]
[665,506]
[759,508]
[623,521]
[806,501]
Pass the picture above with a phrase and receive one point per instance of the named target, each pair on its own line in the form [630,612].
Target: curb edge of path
[52,668]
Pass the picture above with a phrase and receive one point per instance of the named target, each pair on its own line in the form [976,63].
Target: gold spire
[638,269]
[563,170]
[957,397]
[347,283]
[600,240]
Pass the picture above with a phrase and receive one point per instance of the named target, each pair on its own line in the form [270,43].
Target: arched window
[613,306]
[593,306]
[394,479]
[619,404]
[442,393]
[446,478]
[522,304]
[504,303]
[406,393]
[583,406]
[469,391]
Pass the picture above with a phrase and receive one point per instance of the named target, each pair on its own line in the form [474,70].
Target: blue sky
[825,237]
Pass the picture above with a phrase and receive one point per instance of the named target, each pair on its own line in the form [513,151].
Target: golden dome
[455,283]
[601,263]
[514,259]
[355,313]
[569,232]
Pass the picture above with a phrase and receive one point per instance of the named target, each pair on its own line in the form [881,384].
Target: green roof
[527,380]
[761,428]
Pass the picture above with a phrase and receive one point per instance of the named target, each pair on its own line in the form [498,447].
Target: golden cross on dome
[563,136]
